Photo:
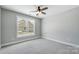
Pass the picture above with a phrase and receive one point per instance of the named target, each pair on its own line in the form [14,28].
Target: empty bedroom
[39,29]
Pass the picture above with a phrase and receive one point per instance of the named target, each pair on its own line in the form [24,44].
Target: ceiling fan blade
[43,12]
[37,14]
[44,8]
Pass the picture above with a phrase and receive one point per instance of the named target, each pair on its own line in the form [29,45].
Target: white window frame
[26,34]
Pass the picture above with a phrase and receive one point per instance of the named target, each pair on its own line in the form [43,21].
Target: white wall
[9,27]
[0,27]
[62,27]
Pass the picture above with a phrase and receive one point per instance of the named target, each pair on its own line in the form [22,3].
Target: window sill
[25,35]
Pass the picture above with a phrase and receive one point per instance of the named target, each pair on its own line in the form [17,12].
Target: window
[25,26]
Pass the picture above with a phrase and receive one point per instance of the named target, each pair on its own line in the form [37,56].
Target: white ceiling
[52,9]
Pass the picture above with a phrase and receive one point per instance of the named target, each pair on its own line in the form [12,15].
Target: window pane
[25,27]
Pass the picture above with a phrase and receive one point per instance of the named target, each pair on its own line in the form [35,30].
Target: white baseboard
[62,42]
[10,43]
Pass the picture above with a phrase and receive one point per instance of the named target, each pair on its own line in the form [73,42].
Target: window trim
[26,35]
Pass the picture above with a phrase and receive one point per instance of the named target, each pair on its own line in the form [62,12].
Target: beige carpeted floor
[39,46]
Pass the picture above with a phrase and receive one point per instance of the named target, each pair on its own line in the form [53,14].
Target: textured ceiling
[52,9]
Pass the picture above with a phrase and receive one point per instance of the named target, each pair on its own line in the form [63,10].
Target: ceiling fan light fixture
[38,13]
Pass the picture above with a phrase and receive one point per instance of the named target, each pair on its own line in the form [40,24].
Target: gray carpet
[39,46]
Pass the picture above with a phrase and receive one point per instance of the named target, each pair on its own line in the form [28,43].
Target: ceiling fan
[40,10]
